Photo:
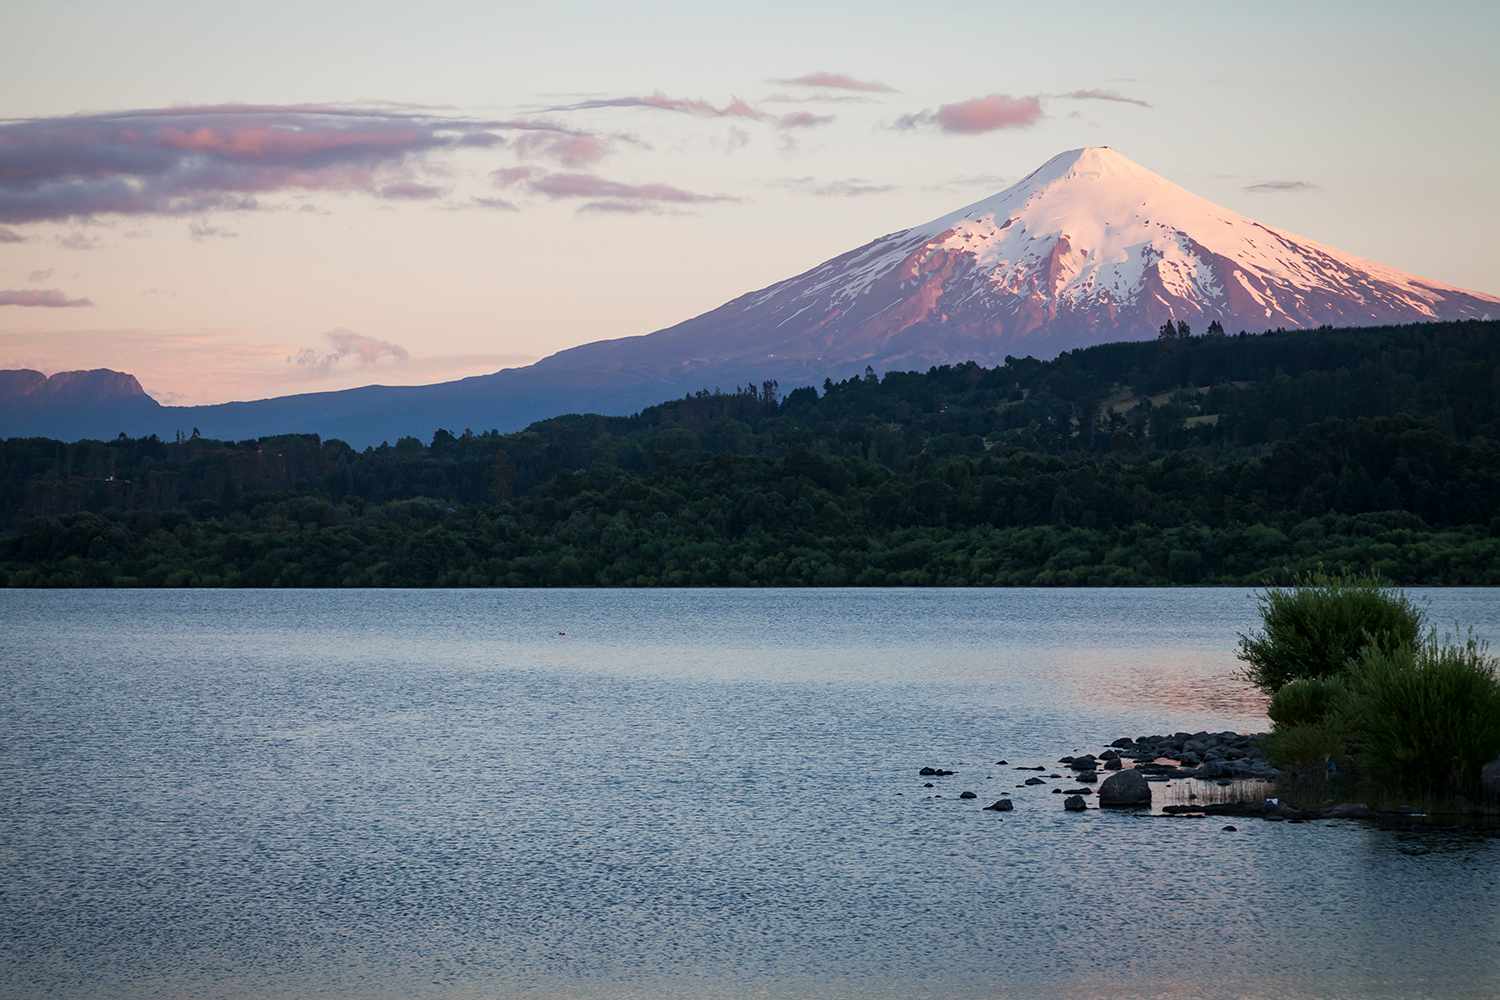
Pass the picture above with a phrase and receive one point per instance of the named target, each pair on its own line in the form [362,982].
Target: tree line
[1209,459]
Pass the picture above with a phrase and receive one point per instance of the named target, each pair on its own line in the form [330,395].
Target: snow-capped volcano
[1089,247]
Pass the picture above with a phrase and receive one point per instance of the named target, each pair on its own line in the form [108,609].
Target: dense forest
[1190,460]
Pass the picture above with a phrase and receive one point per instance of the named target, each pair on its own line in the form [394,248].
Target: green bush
[1428,716]
[1316,628]
[1306,701]
[1310,743]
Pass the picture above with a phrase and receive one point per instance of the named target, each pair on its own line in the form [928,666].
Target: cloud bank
[192,160]
[42,298]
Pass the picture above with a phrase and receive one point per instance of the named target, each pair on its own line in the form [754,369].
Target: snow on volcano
[1090,247]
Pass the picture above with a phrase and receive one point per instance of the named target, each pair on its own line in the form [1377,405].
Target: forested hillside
[1201,460]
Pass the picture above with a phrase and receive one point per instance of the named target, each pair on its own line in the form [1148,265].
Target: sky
[233,201]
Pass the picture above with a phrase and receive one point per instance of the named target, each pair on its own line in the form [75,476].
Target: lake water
[689,794]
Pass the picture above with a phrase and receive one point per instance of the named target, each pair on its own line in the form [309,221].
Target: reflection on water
[705,793]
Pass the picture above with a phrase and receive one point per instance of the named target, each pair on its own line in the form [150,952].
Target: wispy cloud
[851,187]
[978,115]
[579,150]
[10,236]
[822,97]
[78,241]
[496,204]
[410,191]
[1097,94]
[510,176]
[1276,187]
[591,186]
[658,101]
[836,81]
[40,274]
[202,229]
[43,298]
[803,119]
[969,181]
[345,347]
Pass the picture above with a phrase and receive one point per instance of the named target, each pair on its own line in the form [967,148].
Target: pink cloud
[46,298]
[579,149]
[803,119]
[981,114]
[837,81]
[986,114]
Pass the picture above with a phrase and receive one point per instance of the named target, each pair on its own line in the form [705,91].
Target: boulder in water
[1125,789]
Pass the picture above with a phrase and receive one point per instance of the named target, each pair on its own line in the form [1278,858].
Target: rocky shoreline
[1228,764]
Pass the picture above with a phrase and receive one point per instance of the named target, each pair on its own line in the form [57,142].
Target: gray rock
[1087,776]
[1123,742]
[1489,779]
[1035,781]
[967,795]
[1075,803]
[1125,789]
[1001,806]
[1231,829]
[1113,764]
[1087,762]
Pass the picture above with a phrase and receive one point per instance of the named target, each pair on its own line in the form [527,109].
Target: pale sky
[234,254]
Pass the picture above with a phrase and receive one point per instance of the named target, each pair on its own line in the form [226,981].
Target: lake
[640,794]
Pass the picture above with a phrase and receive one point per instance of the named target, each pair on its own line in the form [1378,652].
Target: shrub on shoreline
[1305,701]
[1426,715]
[1316,628]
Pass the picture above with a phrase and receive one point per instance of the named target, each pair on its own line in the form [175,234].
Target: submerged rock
[1001,806]
[1035,781]
[967,795]
[1075,803]
[1125,789]
[933,772]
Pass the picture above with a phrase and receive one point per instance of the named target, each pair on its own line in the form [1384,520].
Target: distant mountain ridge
[1089,248]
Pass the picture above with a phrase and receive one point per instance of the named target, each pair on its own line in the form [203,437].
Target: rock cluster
[1209,756]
